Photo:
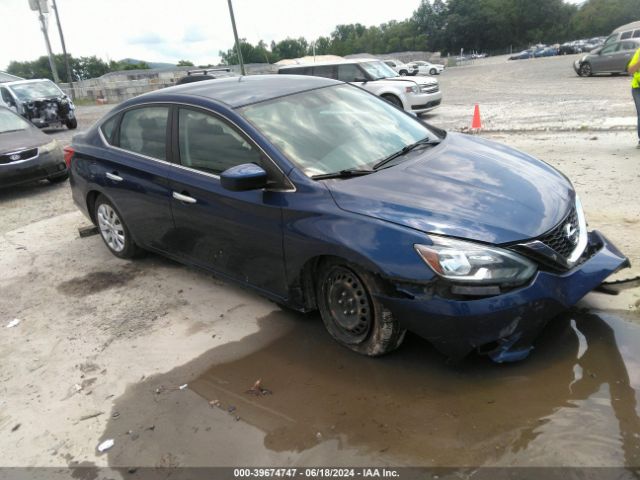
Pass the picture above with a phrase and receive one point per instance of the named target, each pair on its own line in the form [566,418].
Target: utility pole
[64,50]
[43,26]
[235,35]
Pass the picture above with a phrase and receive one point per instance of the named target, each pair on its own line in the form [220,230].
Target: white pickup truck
[413,94]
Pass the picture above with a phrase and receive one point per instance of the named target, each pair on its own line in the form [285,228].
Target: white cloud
[168,30]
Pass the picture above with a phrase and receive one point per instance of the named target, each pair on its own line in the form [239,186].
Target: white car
[401,68]
[414,95]
[426,68]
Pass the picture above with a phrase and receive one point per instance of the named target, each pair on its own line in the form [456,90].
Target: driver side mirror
[241,178]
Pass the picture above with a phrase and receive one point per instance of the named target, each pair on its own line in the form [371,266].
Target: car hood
[29,138]
[418,80]
[467,188]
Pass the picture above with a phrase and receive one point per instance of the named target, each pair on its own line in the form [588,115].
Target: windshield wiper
[350,172]
[404,150]
[14,130]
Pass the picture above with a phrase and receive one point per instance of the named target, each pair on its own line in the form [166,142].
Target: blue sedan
[321,196]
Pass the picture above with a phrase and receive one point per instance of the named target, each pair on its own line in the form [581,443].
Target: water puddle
[572,403]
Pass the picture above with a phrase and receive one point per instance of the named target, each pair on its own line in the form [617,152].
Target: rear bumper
[506,324]
[43,166]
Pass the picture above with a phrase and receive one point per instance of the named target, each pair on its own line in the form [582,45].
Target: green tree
[184,63]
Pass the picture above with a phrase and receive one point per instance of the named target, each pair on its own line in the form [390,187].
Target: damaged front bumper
[504,326]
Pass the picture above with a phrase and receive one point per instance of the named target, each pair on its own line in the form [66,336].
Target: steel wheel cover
[349,305]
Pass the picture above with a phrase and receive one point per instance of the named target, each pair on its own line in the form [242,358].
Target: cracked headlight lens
[475,263]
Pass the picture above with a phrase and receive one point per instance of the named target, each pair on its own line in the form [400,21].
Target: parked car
[39,101]
[401,68]
[523,55]
[546,52]
[204,74]
[27,154]
[427,68]
[612,58]
[319,195]
[416,95]
[625,32]
[568,48]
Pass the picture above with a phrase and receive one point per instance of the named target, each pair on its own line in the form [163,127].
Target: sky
[171,30]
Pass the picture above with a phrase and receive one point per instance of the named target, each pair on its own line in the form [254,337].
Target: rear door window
[327,71]
[626,35]
[144,131]
[349,73]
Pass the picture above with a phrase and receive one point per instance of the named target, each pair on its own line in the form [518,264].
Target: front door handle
[114,177]
[184,198]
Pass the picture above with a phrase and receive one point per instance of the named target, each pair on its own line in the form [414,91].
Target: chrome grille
[18,156]
[563,239]
[430,88]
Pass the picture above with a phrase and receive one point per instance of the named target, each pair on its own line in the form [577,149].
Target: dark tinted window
[209,144]
[327,71]
[296,71]
[349,73]
[108,128]
[625,35]
[636,34]
[144,131]
[6,96]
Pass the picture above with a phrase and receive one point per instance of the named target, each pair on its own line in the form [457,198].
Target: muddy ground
[104,345]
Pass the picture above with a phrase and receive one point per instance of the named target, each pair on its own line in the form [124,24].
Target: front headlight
[474,263]
[413,89]
[49,147]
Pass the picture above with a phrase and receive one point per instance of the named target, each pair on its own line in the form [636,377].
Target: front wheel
[403,73]
[393,100]
[350,312]
[113,230]
[432,71]
[585,70]
[71,123]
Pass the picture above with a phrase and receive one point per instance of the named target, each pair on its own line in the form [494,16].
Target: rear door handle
[184,198]
[114,177]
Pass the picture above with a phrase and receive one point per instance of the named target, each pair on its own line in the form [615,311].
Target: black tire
[128,248]
[585,70]
[403,73]
[432,71]
[393,100]
[365,325]
[71,123]
[59,178]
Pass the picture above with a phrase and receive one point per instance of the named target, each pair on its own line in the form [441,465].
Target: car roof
[239,91]
[335,62]
[628,26]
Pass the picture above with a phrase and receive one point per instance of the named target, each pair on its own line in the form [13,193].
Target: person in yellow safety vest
[634,69]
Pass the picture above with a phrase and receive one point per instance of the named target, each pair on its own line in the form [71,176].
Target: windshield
[335,128]
[35,90]
[379,70]
[11,122]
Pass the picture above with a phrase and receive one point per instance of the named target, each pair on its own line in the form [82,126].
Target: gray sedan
[27,154]
[612,58]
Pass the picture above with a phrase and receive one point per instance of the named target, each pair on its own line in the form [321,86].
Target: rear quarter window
[626,35]
[108,127]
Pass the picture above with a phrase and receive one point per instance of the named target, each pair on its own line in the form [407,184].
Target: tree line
[435,25]
[448,26]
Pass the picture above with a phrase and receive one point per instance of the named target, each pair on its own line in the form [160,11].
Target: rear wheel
[585,70]
[394,100]
[351,314]
[113,230]
[403,73]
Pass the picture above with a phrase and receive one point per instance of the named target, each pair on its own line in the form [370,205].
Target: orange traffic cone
[476,124]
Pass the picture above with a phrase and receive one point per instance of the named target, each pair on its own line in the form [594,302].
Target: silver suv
[415,94]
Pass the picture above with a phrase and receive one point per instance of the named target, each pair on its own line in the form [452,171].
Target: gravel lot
[104,344]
